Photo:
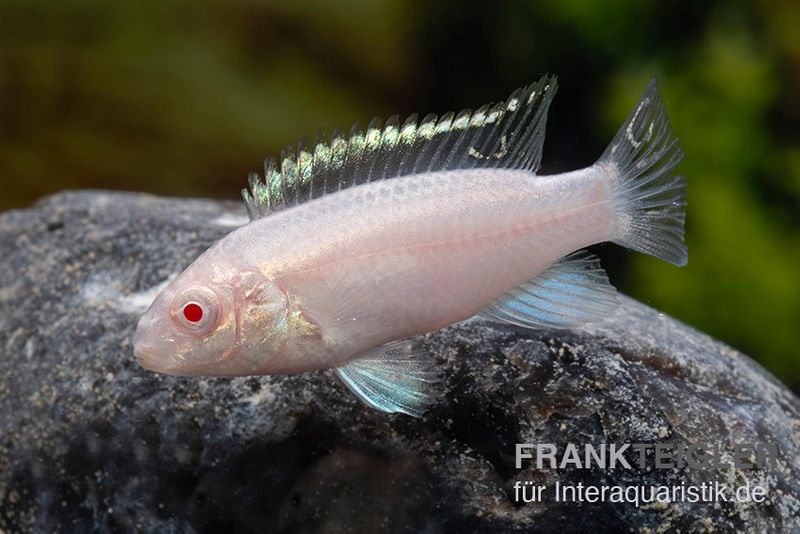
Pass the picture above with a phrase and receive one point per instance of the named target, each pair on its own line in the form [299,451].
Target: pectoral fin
[392,378]
[573,292]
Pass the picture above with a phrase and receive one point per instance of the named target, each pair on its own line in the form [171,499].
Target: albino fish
[360,241]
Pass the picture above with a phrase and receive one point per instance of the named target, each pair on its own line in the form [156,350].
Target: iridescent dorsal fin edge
[507,135]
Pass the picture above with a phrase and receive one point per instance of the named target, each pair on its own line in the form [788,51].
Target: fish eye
[196,310]
[193,312]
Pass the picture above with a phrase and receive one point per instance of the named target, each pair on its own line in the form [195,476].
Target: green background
[184,98]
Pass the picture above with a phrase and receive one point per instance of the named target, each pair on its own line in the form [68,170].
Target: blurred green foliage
[184,98]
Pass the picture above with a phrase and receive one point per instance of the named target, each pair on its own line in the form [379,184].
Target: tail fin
[651,201]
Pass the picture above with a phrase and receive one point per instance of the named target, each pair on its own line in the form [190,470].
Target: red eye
[193,312]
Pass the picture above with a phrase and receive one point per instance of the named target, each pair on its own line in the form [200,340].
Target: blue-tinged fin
[392,378]
[573,292]
[506,135]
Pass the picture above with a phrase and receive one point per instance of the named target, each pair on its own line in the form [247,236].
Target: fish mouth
[152,359]
[146,355]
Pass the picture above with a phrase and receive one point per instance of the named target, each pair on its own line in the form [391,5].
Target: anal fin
[392,378]
[572,292]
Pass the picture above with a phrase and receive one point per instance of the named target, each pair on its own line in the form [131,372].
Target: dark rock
[90,441]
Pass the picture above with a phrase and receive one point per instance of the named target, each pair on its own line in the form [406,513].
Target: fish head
[213,320]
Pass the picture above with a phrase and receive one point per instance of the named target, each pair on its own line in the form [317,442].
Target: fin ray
[651,201]
[509,134]
[574,291]
[392,378]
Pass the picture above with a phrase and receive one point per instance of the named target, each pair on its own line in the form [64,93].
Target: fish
[357,242]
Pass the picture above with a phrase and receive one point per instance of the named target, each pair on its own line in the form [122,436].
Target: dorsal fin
[507,135]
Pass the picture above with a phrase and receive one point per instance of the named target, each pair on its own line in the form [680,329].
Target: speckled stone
[90,441]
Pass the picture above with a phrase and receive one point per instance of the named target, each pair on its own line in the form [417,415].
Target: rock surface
[90,441]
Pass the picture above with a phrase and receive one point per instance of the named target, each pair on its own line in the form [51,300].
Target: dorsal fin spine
[289,175]
[490,119]
[338,158]
[460,124]
[355,147]
[426,131]
[444,125]
[305,170]
[374,141]
[501,144]
[408,134]
[322,153]
[390,142]
[522,144]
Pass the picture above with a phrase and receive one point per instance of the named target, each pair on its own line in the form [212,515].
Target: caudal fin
[651,201]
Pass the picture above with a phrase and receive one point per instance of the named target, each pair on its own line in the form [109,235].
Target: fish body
[350,251]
